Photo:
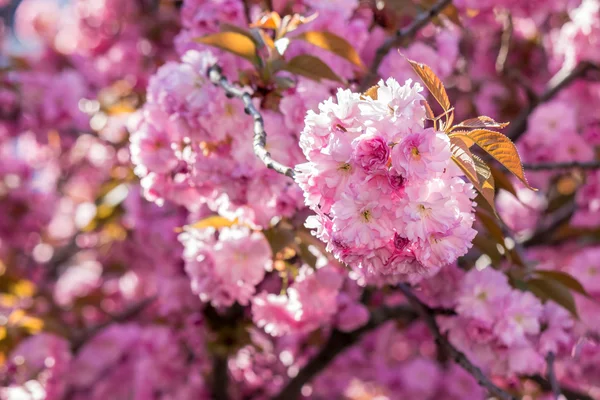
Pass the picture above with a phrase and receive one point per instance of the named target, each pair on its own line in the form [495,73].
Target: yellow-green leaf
[271,20]
[564,278]
[450,11]
[232,42]
[474,168]
[481,122]
[371,92]
[486,180]
[432,83]
[464,159]
[548,289]
[311,67]
[215,221]
[225,27]
[333,43]
[502,149]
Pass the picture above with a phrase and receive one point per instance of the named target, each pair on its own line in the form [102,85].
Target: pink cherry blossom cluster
[505,330]
[193,146]
[388,200]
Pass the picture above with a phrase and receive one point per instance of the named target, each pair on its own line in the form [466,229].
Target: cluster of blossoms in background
[147,252]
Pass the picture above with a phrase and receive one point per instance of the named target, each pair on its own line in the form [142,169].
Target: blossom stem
[215,75]
[565,165]
[399,37]
[424,311]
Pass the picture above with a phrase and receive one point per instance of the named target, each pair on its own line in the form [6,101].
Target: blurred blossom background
[147,252]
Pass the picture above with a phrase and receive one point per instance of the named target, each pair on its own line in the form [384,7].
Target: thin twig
[398,38]
[560,81]
[338,342]
[563,165]
[448,348]
[552,375]
[505,42]
[260,136]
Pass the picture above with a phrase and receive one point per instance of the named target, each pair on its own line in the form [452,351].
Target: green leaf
[502,181]
[311,67]
[502,149]
[334,44]
[548,289]
[432,83]
[564,278]
[232,42]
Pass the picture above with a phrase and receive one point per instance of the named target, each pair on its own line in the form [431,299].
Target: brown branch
[568,393]
[260,136]
[338,342]
[560,81]
[563,165]
[123,316]
[220,378]
[424,311]
[398,38]
[552,375]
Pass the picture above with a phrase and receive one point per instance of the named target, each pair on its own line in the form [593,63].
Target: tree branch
[551,375]
[558,82]
[338,342]
[569,394]
[215,75]
[398,37]
[123,316]
[220,378]
[424,311]
[563,165]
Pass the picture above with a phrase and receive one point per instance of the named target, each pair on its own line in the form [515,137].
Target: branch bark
[560,81]
[563,165]
[215,75]
[425,312]
[123,316]
[338,342]
[398,37]
[552,376]
[569,394]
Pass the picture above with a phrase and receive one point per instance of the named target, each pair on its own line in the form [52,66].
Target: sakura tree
[288,199]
